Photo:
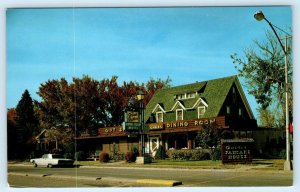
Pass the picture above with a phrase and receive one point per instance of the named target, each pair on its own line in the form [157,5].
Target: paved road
[191,177]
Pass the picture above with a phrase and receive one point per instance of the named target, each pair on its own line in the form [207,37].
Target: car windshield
[57,156]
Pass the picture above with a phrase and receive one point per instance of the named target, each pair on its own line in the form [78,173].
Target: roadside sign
[131,126]
[132,116]
[237,150]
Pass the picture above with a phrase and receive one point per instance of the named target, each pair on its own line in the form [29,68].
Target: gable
[157,108]
[178,105]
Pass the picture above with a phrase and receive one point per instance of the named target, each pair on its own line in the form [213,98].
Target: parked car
[50,160]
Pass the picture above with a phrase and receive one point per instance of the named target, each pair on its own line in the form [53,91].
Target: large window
[159,117]
[179,114]
[201,111]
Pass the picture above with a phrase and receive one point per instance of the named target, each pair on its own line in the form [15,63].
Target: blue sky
[186,44]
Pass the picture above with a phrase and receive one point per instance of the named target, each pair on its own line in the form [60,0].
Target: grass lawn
[269,164]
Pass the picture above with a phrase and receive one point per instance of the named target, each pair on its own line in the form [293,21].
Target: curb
[156,182]
[168,183]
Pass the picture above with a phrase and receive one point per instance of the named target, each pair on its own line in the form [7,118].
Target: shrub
[69,155]
[104,157]
[135,151]
[193,154]
[161,153]
[215,154]
[200,154]
[130,157]
[80,156]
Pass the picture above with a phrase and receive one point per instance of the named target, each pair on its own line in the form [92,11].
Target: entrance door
[154,144]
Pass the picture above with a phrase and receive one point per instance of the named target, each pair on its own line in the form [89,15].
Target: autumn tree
[11,133]
[26,125]
[90,104]
[262,70]
[86,104]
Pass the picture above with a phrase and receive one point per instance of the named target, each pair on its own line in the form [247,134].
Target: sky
[186,44]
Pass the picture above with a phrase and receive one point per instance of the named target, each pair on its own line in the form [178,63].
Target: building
[174,115]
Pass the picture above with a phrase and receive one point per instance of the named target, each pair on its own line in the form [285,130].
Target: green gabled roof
[213,92]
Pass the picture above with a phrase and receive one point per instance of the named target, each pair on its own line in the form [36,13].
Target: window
[201,111]
[179,114]
[159,117]
[191,95]
[185,96]
[180,96]
[228,110]
[240,112]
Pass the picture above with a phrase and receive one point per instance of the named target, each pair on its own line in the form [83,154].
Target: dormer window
[159,117]
[201,111]
[190,95]
[180,96]
[179,114]
[186,96]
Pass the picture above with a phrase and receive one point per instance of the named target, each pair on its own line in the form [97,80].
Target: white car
[50,160]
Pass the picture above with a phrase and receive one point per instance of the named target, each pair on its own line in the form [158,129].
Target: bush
[200,154]
[215,154]
[130,157]
[69,156]
[80,156]
[135,151]
[104,157]
[161,153]
[193,154]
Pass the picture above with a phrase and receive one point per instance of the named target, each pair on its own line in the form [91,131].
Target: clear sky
[186,44]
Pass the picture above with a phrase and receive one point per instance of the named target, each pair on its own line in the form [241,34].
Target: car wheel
[34,164]
[50,165]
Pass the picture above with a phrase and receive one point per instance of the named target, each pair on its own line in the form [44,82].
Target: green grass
[270,164]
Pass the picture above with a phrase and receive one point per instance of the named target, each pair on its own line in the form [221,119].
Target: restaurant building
[174,116]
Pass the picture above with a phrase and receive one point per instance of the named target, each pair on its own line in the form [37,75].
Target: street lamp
[259,16]
[140,97]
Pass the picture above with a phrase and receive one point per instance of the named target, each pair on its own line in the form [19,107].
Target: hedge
[194,154]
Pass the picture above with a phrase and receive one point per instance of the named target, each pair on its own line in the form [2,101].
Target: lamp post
[140,97]
[259,16]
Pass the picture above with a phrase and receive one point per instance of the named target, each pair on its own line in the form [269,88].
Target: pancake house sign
[237,150]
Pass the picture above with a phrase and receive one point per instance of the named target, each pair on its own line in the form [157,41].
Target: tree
[210,136]
[26,125]
[263,72]
[86,104]
[11,133]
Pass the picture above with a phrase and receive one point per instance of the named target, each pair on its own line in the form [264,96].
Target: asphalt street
[119,176]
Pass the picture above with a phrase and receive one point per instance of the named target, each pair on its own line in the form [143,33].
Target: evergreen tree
[26,124]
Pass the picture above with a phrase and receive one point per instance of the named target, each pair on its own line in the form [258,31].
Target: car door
[44,160]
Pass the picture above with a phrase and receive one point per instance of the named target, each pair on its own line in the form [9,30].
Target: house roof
[213,92]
